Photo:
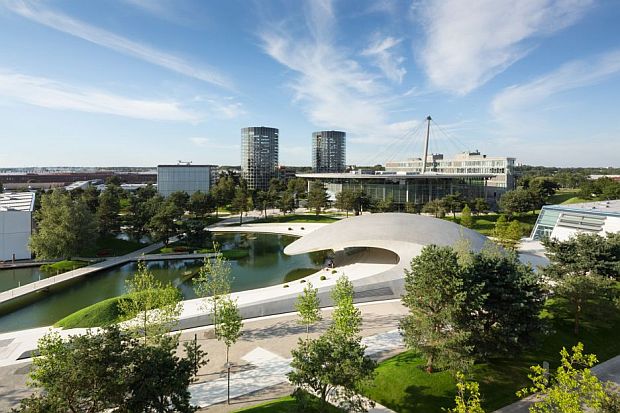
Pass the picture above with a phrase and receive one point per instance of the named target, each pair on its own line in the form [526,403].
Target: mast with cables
[428,131]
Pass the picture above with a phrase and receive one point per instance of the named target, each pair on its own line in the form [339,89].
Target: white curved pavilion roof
[404,234]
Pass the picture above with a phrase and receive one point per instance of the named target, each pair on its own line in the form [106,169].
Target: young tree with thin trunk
[229,329]
[435,297]
[151,307]
[308,307]
[466,219]
[213,283]
[317,197]
[346,318]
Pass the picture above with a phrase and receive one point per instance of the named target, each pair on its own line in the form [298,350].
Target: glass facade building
[186,178]
[501,167]
[329,151]
[259,156]
[415,188]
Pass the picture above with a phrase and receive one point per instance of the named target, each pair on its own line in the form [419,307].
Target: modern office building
[259,156]
[501,167]
[185,177]
[403,188]
[563,221]
[15,224]
[329,151]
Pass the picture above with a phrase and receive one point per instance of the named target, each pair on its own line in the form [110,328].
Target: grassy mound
[296,218]
[402,385]
[103,313]
[298,273]
[236,253]
[62,266]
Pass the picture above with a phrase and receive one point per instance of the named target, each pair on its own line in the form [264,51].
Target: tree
[345,200]
[213,283]
[201,204]
[584,268]
[466,219]
[195,233]
[65,227]
[180,201]
[480,205]
[91,198]
[516,202]
[453,203]
[223,192]
[572,389]
[435,297]
[109,371]
[331,367]
[386,205]
[108,219]
[467,397]
[317,197]
[308,307]
[152,307]
[361,201]
[434,207]
[346,318]
[229,328]
[286,203]
[503,304]
[163,225]
[240,203]
[141,210]
[507,234]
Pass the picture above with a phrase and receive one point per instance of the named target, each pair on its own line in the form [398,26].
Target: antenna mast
[428,131]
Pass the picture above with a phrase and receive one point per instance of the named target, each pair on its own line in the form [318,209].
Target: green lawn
[62,266]
[287,404]
[299,273]
[485,223]
[403,386]
[110,246]
[103,313]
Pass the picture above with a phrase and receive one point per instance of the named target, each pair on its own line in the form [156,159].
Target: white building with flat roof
[15,225]
[563,221]
[501,167]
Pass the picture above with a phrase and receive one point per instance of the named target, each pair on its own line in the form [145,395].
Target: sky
[147,82]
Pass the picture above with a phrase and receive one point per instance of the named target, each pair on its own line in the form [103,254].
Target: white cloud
[115,42]
[381,49]
[51,94]
[469,42]
[334,89]
[572,75]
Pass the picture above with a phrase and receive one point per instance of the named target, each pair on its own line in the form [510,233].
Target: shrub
[323,278]
[285,285]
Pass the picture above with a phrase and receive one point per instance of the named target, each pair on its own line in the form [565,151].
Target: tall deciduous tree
[308,307]
[317,197]
[346,318]
[584,268]
[241,203]
[436,297]
[517,202]
[65,227]
[108,218]
[200,204]
[504,301]
[151,307]
[345,200]
[286,203]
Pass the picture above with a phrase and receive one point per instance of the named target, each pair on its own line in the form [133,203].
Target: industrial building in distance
[259,156]
[185,177]
[329,151]
[15,225]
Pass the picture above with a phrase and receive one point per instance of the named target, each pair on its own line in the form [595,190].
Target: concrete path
[606,371]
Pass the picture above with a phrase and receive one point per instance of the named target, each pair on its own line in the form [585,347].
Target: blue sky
[144,82]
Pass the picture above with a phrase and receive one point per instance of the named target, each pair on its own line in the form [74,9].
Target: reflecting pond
[265,265]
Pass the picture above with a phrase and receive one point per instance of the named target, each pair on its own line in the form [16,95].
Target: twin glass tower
[259,154]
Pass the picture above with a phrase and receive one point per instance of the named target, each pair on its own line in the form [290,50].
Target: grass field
[62,266]
[103,313]
[566,197]
[402,385]
[287,404]
[296,218]
[485,223]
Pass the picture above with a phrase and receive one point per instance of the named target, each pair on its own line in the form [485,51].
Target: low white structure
[15,224]
[563,221]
